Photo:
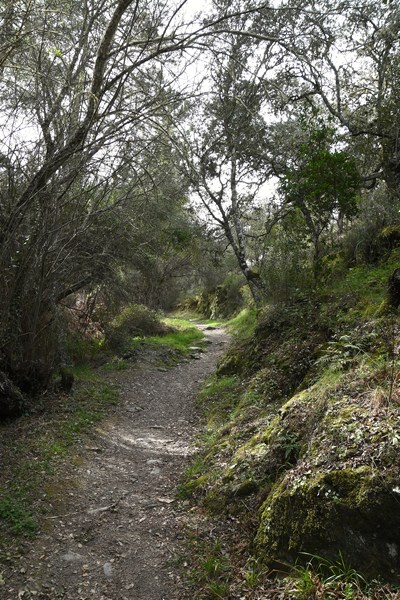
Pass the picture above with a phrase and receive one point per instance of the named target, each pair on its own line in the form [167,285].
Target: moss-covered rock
[354,512]
[245,488]
[224,300]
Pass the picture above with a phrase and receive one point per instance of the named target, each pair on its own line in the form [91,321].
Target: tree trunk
[314,233]
[239,246]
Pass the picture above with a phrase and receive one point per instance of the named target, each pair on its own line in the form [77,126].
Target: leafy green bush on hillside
[135,320]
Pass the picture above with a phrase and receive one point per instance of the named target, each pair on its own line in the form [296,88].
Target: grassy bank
[299,461]
[38,450]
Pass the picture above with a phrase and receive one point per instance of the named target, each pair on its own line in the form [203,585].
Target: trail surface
[119,531]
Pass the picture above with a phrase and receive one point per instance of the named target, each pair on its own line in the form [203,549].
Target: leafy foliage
[135,320]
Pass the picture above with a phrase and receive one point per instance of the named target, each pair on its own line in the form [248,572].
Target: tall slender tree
[229,160]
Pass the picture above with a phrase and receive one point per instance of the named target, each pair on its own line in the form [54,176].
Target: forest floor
[116,532]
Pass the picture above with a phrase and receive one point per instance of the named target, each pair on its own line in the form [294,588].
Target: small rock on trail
[119,533]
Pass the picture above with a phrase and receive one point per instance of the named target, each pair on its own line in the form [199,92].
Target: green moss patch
[353,511]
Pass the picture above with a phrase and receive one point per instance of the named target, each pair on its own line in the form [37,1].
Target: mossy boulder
[224,300]
[245,488]
[354,512]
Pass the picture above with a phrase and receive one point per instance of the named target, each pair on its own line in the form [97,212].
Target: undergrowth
[210,573]
[242,326]
[321,578]
[35,448]
[302,405]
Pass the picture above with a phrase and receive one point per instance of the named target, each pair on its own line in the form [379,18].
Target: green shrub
[139,320]
[82,349]
[118,341]
[287,264]
[135,320]
[375,230]
[333,267]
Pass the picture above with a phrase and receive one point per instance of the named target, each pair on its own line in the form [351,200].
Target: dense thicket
[137,142]
[91,200]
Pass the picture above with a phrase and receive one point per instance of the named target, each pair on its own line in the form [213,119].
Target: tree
[84,88]
[227,161]
[322,183]
[81,94]
[345,57]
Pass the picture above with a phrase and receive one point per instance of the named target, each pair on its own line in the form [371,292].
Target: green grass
[368,283]
[212,571]
[196,467]
[35,457]
[179,323]
[189,316]
[184,336]
[192,478]
[177,341]
[84,373]
[254,573]
[218,398]
[242,326]
[218,386]
[248,398]
[185,315]
[335,579]
[210,322]
[116,364]
[14,512]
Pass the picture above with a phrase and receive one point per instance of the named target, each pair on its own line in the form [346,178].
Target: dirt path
[119,532]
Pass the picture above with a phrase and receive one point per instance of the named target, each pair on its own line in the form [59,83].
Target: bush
[139,320]
[82,349]
[135,320]
[375,231]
